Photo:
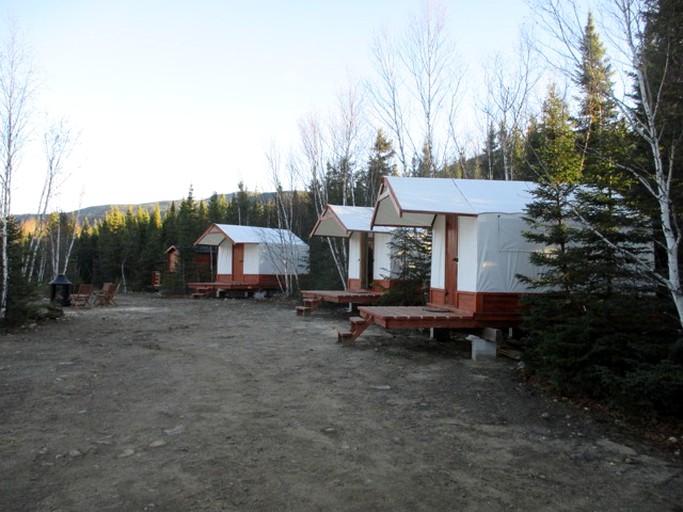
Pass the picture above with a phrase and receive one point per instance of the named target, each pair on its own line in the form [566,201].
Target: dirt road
[239,405]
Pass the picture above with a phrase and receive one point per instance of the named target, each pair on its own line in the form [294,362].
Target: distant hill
[98,212]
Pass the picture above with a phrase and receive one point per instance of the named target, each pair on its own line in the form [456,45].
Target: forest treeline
[606,320]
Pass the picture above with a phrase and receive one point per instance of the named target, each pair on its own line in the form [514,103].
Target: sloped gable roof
[216,233]
[341,221]
[415,201]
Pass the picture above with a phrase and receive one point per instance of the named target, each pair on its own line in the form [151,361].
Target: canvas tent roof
[341,221]
[415,201]
[198,249]
[216,233]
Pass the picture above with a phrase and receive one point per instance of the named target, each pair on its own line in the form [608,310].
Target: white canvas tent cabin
[251,258]
[478,249]
[370,262]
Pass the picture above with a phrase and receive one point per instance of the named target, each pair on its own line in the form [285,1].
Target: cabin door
[238,262]
[363,263]
[451,274]
[370,262]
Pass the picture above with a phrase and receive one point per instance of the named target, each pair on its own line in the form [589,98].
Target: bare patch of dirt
[221,405]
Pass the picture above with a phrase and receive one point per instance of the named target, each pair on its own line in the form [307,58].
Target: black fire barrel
[60,290]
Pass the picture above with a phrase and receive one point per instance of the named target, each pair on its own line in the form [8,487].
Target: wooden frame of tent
[477,251]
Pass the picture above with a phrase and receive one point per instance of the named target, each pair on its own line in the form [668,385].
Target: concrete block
[491,334]
[481,348]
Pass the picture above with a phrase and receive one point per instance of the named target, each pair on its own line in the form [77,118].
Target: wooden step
[343,336]
[303,310]
[510,352]
[355,320]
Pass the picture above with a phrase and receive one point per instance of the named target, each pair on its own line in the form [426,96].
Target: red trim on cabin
[497,303]
[451,259]
[353,284]
[265,280]
[377,285]
[418,317]
[380,285]
[437,296]
[489,303]
[238,262]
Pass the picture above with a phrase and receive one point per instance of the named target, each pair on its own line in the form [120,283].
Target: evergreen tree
[662,61]
[492,168]
[110,245]
[606,218]
[594,78]
[148,255]
[336,179]
[422,165]
[217,209]
[654,39]
[84,260]
[626,314]
[412,248]
[169,226]
[558,337]
[380,164]
[589,329]
[188,222]
[243,210]
[20,293]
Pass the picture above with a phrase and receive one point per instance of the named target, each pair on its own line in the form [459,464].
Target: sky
[165,95]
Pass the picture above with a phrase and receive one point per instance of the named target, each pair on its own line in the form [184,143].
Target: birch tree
[58,142]
[428,55]
[417,90]
[648,116]
[61,230]
[288,280]
[509,83]
[310,166]
[16,92]
[388,98]
[347,137]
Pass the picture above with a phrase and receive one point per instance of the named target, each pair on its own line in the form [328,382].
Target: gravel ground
[220,405]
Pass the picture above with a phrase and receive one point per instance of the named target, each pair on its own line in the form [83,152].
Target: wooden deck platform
[313,298]
[342,296]
[215,288]
[418,317]
[423,317]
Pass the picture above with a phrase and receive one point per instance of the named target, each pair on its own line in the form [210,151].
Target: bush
[632,362]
